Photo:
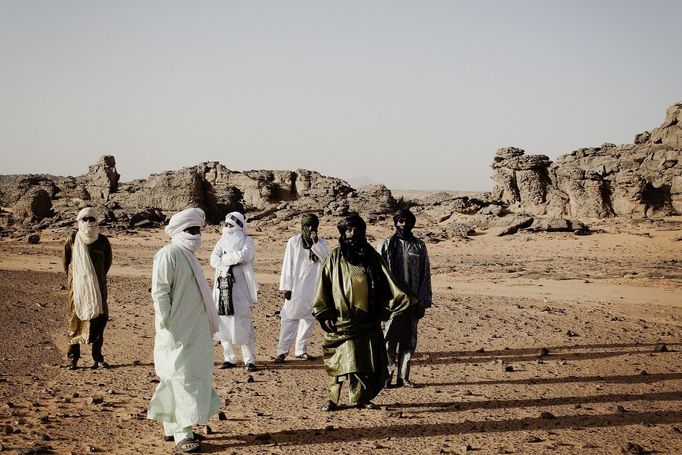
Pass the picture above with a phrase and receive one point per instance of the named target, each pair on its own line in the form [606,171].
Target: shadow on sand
[294,438]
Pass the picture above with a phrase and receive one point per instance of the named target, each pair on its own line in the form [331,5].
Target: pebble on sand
[660,348]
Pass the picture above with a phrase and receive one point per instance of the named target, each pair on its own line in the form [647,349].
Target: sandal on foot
[367,405]
[306,356]
[329,406]
[279,358]
[187,446]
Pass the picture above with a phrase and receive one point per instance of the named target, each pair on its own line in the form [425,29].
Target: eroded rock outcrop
[264,194]
[638,180]
[33,206]
[101,179]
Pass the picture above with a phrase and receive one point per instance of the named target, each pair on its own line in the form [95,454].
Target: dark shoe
[250,367]
[410,384]
[398,383]
[187,446]
[225,365]
[367,405]
[101,364]
[195,436]
[387,384]
[73,365]
[279,358]
[306,356]
[329,406]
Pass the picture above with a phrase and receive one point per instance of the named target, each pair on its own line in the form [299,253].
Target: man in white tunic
[235,291]
[185,321]
[304,256]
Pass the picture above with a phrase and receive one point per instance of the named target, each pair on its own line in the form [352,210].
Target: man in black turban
[355,293]
[408,261]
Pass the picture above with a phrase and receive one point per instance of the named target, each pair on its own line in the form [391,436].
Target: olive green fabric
[357,348]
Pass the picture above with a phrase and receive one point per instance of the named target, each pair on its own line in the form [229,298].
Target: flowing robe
[358,345]
[100,253]
[299,275]
[183,348]
[237,329]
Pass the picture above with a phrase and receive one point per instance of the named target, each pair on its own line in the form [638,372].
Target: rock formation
[638,180]
[643,179]
[33,206]
[264,194]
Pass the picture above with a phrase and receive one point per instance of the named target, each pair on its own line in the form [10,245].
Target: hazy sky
[414,94]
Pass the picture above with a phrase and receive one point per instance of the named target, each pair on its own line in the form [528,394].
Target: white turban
[185,219]
[88,211]
[236,219]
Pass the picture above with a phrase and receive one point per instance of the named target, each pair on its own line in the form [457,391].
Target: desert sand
[600,305]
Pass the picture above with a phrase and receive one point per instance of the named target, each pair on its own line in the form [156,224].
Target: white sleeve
[285,279]
[321,249]
[215,256]
[245,255]
[163,271]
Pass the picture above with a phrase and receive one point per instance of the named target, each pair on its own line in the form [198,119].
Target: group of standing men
[367,302]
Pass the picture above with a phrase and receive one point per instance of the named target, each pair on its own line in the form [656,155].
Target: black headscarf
[410,220]
[309,219]
[355,249]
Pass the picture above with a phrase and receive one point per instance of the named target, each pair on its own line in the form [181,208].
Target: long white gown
[299,275]
[183,349]
[237,329]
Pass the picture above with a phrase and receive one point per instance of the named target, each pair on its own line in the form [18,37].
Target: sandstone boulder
[101,179]
[35,205]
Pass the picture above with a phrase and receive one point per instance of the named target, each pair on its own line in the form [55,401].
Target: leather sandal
[367,405]
[279,358]
[187,446]
[306,356]
[329,406]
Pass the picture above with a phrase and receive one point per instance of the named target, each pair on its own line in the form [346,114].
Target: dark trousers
[96,338]
[401,342]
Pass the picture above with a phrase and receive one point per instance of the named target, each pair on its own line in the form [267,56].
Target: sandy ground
[599,304]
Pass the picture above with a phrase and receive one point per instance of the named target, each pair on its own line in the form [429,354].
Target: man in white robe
[184,322]
[304,256]
[232,259]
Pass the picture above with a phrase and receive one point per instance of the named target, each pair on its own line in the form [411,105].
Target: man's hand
[313,236]
[420,311]
[287,295]
[328,325]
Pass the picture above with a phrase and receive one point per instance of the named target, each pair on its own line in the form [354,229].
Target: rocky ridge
[637,180]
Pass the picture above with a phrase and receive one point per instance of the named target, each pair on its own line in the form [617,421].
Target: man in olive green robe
[355,293]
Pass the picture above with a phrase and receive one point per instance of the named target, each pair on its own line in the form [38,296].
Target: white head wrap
[185,219]
[234,232]
[87,296]
[182,220]
[89,231]
[189,244]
